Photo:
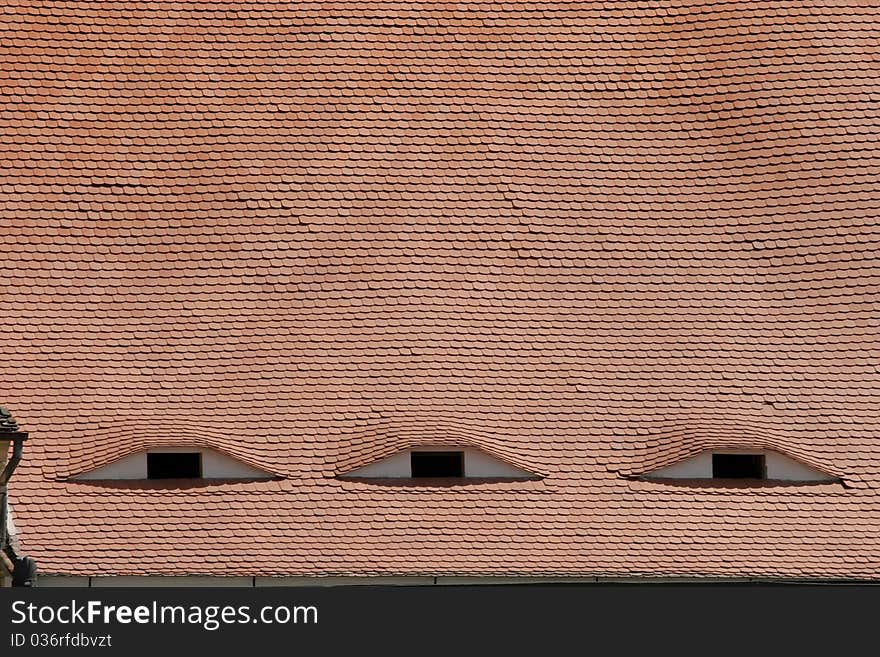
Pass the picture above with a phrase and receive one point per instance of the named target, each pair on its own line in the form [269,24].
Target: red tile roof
[586,237]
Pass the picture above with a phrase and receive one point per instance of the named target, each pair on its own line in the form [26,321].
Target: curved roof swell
[679,442]
[565,227]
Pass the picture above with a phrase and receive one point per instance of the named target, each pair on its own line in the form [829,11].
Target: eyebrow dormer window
[174,465]
[437,464]
[745,465]
[171,462]
[739,466]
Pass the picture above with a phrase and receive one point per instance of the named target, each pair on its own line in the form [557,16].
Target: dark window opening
[170,465]
[739,466]
[437,464]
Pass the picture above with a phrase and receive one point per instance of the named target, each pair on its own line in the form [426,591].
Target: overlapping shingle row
[588,238]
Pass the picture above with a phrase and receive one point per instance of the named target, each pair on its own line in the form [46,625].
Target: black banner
[621,618]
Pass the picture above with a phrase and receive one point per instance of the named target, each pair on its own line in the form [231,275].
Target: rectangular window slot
[437,464]
[739,466]
[170,465]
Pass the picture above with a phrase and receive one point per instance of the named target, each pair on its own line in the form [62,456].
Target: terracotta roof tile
[587,238]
